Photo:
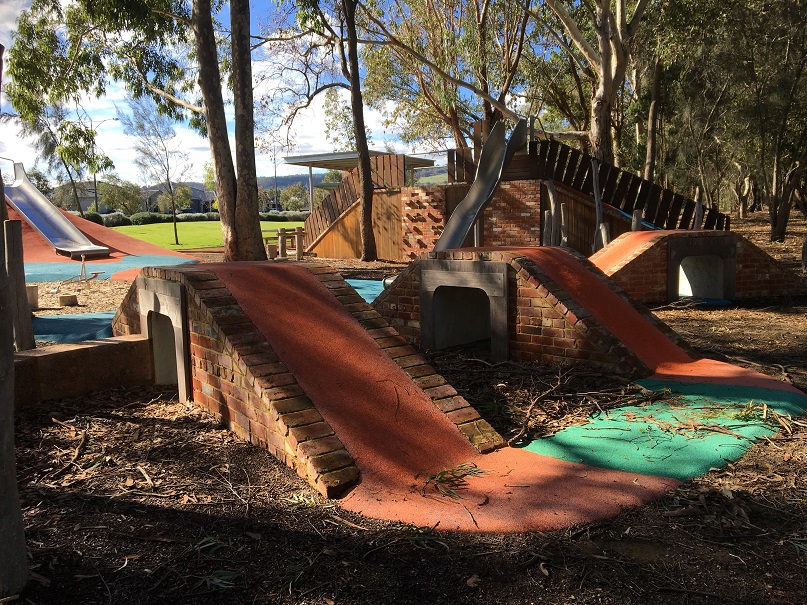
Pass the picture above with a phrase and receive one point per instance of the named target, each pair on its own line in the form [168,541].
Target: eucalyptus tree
[166,49]
[597,36]
[315,52]
[160,156]
[444,64]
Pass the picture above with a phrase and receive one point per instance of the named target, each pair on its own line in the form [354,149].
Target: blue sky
[309,131]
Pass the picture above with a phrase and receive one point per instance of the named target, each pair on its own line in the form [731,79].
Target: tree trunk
[247,218]
[600,137]
[240,226]
[13,556]
[652,122]
[173,211]
[368,245]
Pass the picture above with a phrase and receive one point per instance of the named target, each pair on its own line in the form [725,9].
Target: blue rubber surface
[46,272]
[702,426]
[75,327]
[368,289]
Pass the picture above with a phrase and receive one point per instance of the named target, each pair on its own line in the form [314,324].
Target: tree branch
[591,55]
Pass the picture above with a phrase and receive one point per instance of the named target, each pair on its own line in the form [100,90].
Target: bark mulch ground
[131,497]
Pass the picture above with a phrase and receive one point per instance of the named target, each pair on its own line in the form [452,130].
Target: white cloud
[308,131]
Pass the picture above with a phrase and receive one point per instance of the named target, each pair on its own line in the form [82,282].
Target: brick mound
[243,370]
[551,311]
[293,360]
[639,263]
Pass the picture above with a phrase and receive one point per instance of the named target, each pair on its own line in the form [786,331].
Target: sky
[309,128]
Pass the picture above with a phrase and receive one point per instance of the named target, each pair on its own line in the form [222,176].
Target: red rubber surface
[37,250]
[395,433]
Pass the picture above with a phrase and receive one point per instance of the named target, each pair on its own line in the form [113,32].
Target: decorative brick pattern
[424,216]
[511,219]
[237,376]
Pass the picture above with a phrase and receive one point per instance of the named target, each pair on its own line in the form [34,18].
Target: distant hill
[268,182]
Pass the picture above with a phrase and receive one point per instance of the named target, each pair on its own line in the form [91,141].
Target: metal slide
[47,220]
[494,159]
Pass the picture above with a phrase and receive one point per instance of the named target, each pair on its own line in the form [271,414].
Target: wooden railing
[621,189]
[551,160]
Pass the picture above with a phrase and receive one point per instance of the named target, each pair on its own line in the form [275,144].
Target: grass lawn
[199,234]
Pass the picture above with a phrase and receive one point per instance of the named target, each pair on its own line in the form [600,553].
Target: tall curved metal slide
[47,220]
[494,159]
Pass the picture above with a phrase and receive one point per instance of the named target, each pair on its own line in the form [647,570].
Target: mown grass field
[201,234]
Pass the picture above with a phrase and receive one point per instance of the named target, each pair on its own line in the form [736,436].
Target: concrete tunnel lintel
[448,320]
[704,272]
[162,303]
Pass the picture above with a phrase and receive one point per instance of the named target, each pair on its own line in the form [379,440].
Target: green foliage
[178,198]
[149,218]
[339,121]
[294,197]
[94,217]
[284,216]
[40,181]
[191,217]
[120,195]
[214,216]
[116,219]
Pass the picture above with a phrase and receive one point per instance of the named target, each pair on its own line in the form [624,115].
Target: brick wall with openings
[643,273]
[511,219]
[545,324]
[423,218]
[237,376]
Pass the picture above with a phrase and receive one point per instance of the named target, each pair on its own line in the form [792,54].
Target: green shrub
[116,219]
[284,215]
[149,218]
[94,217]
[213,216]
[191,217]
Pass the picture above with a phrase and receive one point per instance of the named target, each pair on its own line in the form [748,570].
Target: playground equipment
[47,220]
[495,157]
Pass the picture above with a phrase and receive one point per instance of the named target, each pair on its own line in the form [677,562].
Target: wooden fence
[551,160]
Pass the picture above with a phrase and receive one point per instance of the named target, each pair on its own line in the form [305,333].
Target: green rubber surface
[699,427]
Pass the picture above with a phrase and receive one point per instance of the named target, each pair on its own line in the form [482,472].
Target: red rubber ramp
[613,311]
[37,250]
[623,248]
[397,436]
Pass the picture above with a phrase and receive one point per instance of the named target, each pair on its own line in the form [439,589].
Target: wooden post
[698,214]
[564,235]
[554,208]
[298,242]
[13,556]
[636,223]
[18,297]
[281,243]
[595,179]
